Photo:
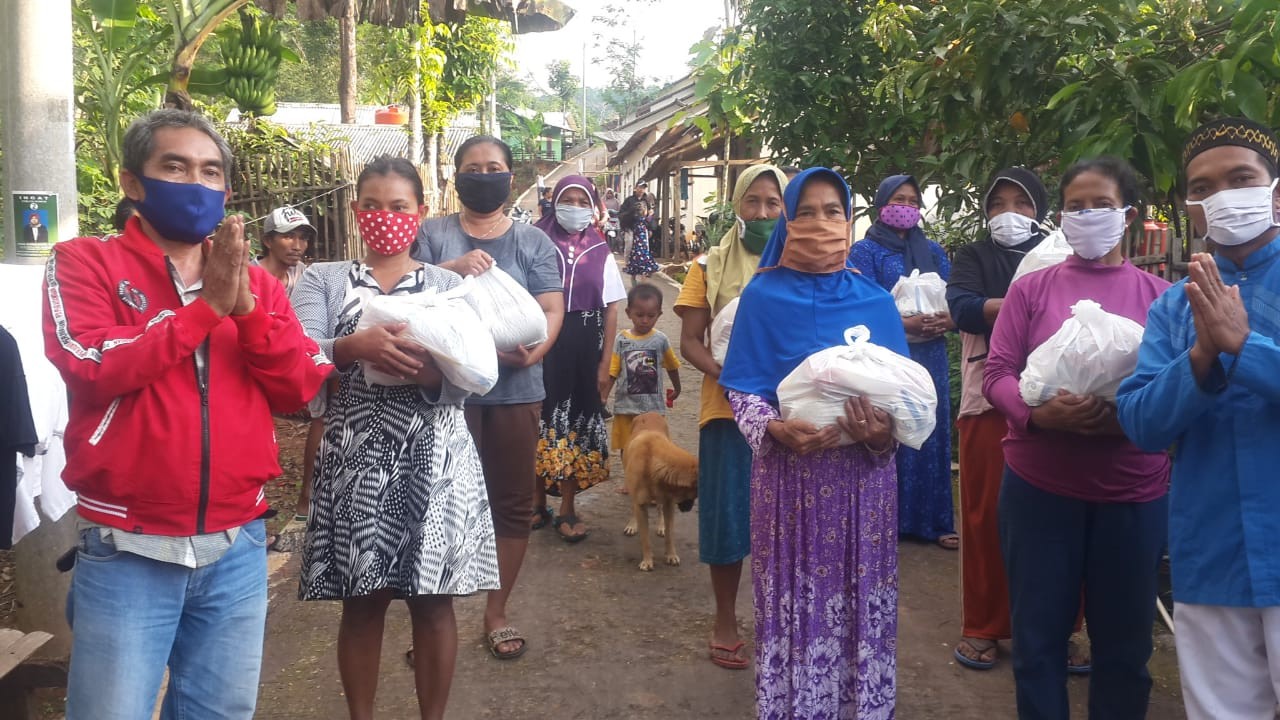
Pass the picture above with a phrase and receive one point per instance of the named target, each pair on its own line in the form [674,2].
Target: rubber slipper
[1084,668]
[950,541]
[970,662]
[544,518]
[503,635]
[735,662]
[569,520]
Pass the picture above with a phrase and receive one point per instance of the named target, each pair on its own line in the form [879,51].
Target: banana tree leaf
[117,18]
[532,15]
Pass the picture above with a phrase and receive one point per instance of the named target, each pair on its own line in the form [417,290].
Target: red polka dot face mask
[387,232]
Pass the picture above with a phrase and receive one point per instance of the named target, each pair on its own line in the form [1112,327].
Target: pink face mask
[900,217]
[387,232]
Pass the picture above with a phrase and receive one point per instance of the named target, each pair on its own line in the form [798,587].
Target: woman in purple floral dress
[823,515]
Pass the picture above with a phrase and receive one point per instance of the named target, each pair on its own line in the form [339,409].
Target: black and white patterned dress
[399,499]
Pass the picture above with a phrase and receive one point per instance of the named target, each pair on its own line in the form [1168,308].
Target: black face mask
[483,192]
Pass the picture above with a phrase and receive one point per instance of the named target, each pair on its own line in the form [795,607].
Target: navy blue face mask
[184,212]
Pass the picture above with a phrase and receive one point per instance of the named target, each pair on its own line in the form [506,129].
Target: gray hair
[139,139]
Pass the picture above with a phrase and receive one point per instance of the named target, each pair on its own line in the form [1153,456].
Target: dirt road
[609,641]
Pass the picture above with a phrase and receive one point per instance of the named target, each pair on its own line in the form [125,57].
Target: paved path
[608,641]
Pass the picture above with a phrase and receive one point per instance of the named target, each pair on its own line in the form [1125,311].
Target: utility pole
[585,137]
[39,171]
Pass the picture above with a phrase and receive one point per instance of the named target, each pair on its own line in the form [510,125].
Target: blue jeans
[131,616]
[1053,545]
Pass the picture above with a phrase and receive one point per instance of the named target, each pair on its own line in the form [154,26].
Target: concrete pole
[39,127]
[39,156]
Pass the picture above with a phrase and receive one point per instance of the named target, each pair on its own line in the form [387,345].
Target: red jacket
[148,449]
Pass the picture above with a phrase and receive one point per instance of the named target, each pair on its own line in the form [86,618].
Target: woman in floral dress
[641,261]
[823,516]
[573,452]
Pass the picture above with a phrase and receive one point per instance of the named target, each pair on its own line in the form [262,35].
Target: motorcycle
[520,215]
[613,233]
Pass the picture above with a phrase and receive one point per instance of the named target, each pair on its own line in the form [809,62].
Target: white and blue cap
[287,219]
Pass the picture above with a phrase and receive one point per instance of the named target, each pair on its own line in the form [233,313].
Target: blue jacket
[1225,434]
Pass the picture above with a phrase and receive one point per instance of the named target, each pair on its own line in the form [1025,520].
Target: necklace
[462,221]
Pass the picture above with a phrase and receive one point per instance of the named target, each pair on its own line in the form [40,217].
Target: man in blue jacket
[1208,386]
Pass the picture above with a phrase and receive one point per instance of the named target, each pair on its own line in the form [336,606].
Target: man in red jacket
[175,351]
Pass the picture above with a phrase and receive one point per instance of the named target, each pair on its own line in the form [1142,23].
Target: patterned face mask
[900,217]
[387,232]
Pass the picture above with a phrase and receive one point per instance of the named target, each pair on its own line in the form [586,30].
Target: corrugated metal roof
[294,113]
[367,142]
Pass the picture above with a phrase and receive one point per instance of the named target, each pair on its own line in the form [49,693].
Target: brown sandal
[506,635]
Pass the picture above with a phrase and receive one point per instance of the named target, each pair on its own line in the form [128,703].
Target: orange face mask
[816,246]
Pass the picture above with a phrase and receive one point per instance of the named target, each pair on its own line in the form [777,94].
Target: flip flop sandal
[734,661]
[505,635]
[1084,668]
[569,520]
[950,541]
[544,518]
[970,662]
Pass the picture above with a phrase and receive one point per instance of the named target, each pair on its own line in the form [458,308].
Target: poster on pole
[35,221]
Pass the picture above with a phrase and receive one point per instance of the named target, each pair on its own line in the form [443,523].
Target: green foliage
[119,49]
[391,58]
[473,50]
[720,218]
[719,81]
[953,90]
[314,79]
[628,87]
[526,132]
[564,84]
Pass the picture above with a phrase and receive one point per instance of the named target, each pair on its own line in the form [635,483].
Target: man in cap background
[286,235]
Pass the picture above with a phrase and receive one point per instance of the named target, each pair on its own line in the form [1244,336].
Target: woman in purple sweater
[1080,504]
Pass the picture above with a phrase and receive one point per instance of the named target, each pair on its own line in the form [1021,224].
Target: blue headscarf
[785,315]
[914,248]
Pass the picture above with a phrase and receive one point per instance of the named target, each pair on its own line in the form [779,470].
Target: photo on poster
[37,222]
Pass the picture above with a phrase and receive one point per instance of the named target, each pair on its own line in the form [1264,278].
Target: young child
[637,353]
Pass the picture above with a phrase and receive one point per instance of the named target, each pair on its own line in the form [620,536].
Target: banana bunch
[251,56]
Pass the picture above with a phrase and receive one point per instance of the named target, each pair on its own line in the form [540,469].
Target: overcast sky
[666,29]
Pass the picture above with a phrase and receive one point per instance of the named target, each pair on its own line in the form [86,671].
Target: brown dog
[656,469]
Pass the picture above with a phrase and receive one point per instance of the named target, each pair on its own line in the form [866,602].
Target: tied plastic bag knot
[818,388]
[722,330]
[447,325]
[513,316]
[1091,354]
[856,334]
[920,294]
[1052,250]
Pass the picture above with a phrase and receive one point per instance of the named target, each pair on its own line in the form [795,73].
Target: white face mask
[574,219]
[1094,232]
[1010,228]
[1238,215]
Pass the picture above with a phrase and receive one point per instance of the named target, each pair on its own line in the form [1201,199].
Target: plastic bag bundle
[514,318]
[1091,354]
[817,389]
[920,294]
[448,326]
[721,329]
[1051,251]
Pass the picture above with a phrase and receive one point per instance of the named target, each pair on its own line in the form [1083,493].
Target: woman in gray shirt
[505,421]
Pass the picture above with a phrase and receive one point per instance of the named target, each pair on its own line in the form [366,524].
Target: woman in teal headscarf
[823,516]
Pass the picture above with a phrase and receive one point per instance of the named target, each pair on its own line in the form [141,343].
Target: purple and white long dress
[824,568]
